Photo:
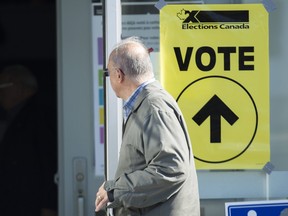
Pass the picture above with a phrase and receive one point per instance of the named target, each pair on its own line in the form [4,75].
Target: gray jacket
[156,173]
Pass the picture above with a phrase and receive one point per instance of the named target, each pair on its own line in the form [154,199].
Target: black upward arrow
[215,108]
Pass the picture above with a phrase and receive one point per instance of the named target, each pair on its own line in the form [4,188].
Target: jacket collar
[148,89]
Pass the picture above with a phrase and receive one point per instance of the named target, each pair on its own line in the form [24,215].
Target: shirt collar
[129,103]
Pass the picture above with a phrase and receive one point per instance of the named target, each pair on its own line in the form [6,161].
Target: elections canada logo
[214,19]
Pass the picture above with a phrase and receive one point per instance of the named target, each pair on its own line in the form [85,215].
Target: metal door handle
[80,184]
[80,206]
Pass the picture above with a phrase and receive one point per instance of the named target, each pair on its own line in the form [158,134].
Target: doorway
[28,39]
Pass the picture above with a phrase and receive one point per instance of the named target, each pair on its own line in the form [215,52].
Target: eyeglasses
[107,72]
[5,85]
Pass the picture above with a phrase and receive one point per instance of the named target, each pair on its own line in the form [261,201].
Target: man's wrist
[110,195]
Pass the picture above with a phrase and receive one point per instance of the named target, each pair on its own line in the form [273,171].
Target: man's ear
[120,75]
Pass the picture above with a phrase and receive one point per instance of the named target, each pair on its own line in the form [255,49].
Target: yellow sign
[215,62]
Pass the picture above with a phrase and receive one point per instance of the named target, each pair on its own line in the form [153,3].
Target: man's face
[113,78]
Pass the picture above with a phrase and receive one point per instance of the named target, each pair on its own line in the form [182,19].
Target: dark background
[28,37]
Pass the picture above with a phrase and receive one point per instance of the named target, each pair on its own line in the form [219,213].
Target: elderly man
[156,172]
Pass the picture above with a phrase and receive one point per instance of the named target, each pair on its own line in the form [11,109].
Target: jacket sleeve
[167,165]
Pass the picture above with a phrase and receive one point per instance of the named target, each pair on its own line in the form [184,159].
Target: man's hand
[101,198]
